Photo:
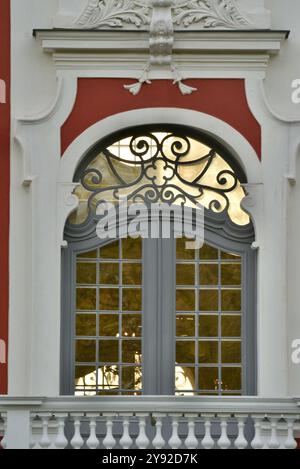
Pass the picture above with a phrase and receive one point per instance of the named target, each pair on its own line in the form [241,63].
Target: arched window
[150,316]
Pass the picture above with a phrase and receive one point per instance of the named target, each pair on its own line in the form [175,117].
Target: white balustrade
[154,423]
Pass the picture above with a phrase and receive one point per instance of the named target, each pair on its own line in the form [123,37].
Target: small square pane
[132,248]
[86,299]
[131,325]
[85,380]
[131,351]
[208,378]
[208,300]
[108,378]
[230,255]
[181,249]
[111,251]
[132,299]
[208,253]
[85,351]
[231,274]
[109,299]
[109,325]
[185,378]
[231,379]
[231,326]
[88,255]
[185,300]
[185,351]
[185,325]
[131,377]
[86,273]
[86,325]
[132,274]
[208,326]
[209,274]
[231,300]
[185,274]
[208,352]
[109,274]
[109,351]
[231,352]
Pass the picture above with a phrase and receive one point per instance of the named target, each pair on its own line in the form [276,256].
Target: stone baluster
[126,441]
[61,441]
[257,442]
[142,440]
[241,442]
[208,442]
[77,441]
[158,442]
[290,442]
[274,442]
[45,440]
[92,442]
[175,442]
[191,441]
[4,439]
[224,442]
[109,441]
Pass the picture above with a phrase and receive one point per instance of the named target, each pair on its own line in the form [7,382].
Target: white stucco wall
[34,88]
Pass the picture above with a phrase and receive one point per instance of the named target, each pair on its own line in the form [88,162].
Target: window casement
[150,316]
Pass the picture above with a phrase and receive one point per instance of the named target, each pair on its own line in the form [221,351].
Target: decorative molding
[209,14]
[114,14]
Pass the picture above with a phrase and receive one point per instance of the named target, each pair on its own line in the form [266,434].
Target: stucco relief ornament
[209,14]
[114,14]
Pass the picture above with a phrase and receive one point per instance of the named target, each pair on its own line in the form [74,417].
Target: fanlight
[160,167]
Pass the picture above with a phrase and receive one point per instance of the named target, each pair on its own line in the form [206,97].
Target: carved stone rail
[149,423]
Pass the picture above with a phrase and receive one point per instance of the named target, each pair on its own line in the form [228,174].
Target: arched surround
[49,201]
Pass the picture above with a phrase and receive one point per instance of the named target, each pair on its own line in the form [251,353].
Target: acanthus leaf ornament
[114,14]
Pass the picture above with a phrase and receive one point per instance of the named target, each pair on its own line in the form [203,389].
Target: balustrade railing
[149,423]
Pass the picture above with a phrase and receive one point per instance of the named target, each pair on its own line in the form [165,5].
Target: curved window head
[160,165]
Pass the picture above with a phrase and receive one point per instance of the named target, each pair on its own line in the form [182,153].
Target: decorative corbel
[161,43]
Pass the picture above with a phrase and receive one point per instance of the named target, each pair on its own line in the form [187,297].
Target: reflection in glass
[231,326]
[109,274]
[185,274]
[209,274]
[86,273]
[231,352]
[85,351]
[132,299]
[111,251]
[132,248]
[86,299]
[132,274]
[131,351]
[208,352]
[109,325]
[184,380]
[131,325]
[109,299]
[231,274]
[208,300]
[109,351]
[185,300]
[231,379]
[185,325]
[132,378]
[231,300]
[185,351]
[86,325]
[208,326]
[208,378]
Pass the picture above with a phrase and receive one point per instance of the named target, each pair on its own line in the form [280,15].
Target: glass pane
[85,325]
[231,300]
[185,325]
[208,326]
[109,325]
[88,255]
[185,274]
[132,299]
[132,248]
[85,351]
[208,253]
[185,378]
[108,378]
[185,351]
[131,377]
[131,351]
[109,351]
[86,298]
[109,274]
[109,299]
[85,381]
[209,274]
[231,326]
[185,300]
[208,300]
[132,274]
[208,379]
[208,352]
[231,379]
[231,274]
[230,255]
[86,273]
[231,352]
[182,252]
[111,251]
[131,325]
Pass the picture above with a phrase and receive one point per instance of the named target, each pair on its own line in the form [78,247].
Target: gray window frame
[159,259]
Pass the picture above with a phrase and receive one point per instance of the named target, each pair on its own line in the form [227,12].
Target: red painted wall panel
[98,98]
[4,182]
